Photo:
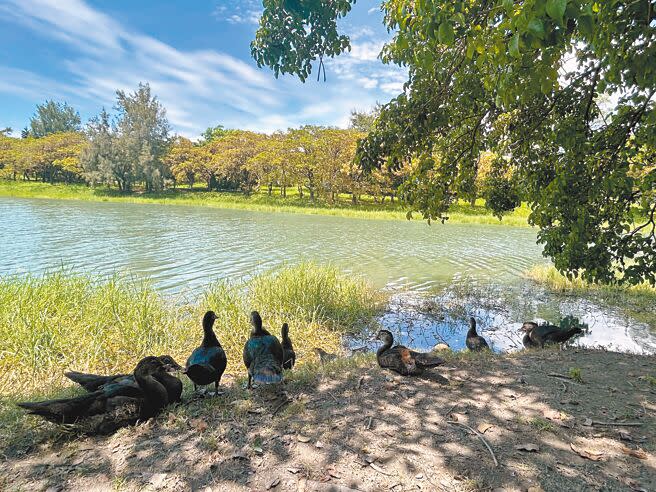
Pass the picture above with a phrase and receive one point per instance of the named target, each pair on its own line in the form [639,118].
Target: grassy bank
[637,300]
[56,322]
[461,213]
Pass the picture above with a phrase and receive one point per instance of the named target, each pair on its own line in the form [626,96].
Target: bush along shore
[260,200]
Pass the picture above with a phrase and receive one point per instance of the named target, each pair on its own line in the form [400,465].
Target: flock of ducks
[115,401]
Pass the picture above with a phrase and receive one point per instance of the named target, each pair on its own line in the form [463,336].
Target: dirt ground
[362,428]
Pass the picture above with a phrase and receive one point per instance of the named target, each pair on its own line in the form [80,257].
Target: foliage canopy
[524,80]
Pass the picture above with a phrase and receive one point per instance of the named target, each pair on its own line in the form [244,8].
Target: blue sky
[195,55]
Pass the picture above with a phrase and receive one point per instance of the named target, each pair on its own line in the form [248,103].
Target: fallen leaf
[584,453]
[198,424]
[530,447]
[625,436]
[258,449]
[293,471]
[637,453]
[334,473]
[318,444]
[273,484]
[302,438]
[552,415]
[483,427]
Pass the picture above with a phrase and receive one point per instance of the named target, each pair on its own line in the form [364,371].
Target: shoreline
[258,202]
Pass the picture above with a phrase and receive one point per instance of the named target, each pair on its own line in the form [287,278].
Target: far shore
[463,213]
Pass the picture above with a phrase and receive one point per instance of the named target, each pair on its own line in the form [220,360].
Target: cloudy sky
[195,55]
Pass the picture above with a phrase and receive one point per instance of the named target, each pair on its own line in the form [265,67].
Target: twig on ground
[479,435]
[368,426]
[617,424]
[452,409]
[561,376]
[379,469]
[277,409]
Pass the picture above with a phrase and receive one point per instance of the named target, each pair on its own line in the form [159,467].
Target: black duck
[263,354]
[104,411]
[538,335]
[207,363]
[125,384]
[401,359]
[474,341]
[288,354]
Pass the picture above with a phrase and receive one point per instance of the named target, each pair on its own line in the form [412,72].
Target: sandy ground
[356,428]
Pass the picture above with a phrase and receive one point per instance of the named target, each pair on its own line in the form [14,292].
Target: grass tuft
[60,321]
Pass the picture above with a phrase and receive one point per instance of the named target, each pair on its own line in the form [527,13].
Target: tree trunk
[270,189]
[354,199]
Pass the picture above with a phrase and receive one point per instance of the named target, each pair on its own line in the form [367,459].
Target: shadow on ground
[357,427]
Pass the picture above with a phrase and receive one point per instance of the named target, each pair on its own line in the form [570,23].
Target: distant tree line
[134,149]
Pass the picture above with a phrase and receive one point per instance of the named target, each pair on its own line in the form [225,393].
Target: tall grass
[637,300]
[59,321]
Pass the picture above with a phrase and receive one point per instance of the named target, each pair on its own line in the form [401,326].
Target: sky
[194,54]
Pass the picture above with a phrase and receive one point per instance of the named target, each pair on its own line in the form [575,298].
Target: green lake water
[181,249]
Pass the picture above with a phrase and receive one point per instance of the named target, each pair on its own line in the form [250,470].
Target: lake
[181,249]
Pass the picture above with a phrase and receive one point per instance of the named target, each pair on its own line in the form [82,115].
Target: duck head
[472,325]
[385,336]
[285,330]
[256,321]
[170,365]
[209,319]
[149,366]
[528,326]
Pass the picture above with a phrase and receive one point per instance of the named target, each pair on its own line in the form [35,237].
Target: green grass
[461,213]
[636,300]
[60,321]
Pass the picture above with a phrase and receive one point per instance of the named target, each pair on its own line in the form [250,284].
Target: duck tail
[64,411]
[201,373]
[267,372]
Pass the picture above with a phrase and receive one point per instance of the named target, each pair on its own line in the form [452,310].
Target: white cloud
[238,12]
[198,87]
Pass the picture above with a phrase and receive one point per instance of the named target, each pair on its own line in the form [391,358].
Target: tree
[131,147]
[53,117]
[363,121]
[182,159]
[520,79]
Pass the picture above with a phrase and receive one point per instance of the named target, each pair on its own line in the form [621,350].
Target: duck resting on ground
[401,359]
[474,341]
[104,411]
[207,363]
[125,384]
[263,354]
[538,335]
[289,356]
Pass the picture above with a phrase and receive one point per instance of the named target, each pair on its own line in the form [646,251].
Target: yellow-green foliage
[58,321]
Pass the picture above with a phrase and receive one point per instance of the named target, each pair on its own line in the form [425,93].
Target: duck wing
[92,382]
[476,343]
[562,336]
[400,359]
[67,410]
[426,360]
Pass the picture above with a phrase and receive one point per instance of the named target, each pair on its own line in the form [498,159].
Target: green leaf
[513,47]
[536,27]
[445,34]
[508,5]
[556,9]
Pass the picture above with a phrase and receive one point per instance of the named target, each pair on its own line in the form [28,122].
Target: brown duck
[401,359]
